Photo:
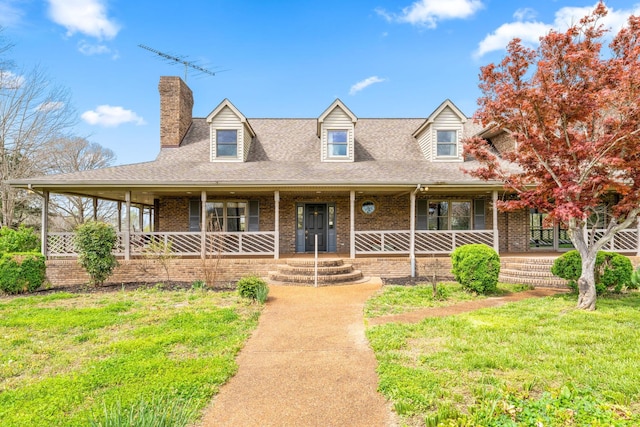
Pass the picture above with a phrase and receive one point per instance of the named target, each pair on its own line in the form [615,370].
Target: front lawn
[77,359]
[537,362]
[394,299]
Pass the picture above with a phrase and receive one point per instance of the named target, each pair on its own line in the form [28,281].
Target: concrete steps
[331,271]
[533,270]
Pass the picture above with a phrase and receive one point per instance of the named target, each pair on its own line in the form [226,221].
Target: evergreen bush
[95,242]
[24,239]
[476,267]
[21,272]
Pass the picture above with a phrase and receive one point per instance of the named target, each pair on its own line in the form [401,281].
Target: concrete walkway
[307,364]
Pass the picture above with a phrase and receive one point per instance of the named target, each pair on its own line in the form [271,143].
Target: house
[383,191]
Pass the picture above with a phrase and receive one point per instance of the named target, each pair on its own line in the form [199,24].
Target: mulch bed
[116,287]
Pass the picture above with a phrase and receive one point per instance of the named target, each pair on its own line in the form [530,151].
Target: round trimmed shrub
[21,272]
[612,271]
[95,242]
[254,288]
[476,267]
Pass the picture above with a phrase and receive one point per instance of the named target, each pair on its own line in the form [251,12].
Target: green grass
[533,361]
[68,359]
[401,299]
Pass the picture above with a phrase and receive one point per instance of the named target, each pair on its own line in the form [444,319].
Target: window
[337,143]
[449,215]
[447,143]
[226,216]
[226,143]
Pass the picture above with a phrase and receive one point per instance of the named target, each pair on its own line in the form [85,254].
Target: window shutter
[479,222]
[422,214]
[254,215]
[194,215]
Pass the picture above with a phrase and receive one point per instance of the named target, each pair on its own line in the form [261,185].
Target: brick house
[267,188]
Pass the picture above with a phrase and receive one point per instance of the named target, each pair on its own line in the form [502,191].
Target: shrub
[95,242]
[21,272]
[24,239]
[634,283]
[253,287]
[612,270]
[476,267]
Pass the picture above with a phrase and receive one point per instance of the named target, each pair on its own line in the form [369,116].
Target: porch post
[496,239]
[276,241]
[151,219]
[412,236]
[45,223]
[352,225]
[119,217]
[203,224]
[127,223]
[95,208]
[141,217]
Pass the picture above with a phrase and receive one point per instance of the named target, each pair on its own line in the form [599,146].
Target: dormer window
[230,134]
[227,142]
[336,130]
[337,141]
[447,143]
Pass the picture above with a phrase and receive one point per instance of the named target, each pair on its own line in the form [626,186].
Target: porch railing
[175,243]
[426,241]
[626,240]
[61,244]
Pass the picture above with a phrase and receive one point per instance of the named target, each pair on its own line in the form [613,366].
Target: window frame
[218,143]
[448,218]
[330,144]
[242,219]
[447,143]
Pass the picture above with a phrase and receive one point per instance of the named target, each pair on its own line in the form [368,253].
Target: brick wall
[513,228]
[173,214]
[69,272]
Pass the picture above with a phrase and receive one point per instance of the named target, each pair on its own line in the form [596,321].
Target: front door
[315,225]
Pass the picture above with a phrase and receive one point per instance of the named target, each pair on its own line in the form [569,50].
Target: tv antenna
[180,60]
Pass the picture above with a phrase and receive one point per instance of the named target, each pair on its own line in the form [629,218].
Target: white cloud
[89,49]
[364,83]
[429,12]
[9,80]
[526,13]
[110,116]
[88,17]
[10,14]
[530,31]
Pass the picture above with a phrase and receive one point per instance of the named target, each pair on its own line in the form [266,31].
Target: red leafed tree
[572,109]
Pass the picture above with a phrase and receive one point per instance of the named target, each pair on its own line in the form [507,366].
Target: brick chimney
[176,109]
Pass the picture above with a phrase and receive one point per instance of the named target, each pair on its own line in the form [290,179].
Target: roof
[284,155]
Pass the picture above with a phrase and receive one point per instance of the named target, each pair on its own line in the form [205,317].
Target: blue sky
[383,58]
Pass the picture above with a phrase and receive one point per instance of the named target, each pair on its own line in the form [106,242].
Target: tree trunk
[587,282]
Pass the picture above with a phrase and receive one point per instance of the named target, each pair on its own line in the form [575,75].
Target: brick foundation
[69,272]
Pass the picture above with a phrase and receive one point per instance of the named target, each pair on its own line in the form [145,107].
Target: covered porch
[243,221]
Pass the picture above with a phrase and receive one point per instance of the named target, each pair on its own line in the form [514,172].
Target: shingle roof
[287,152]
